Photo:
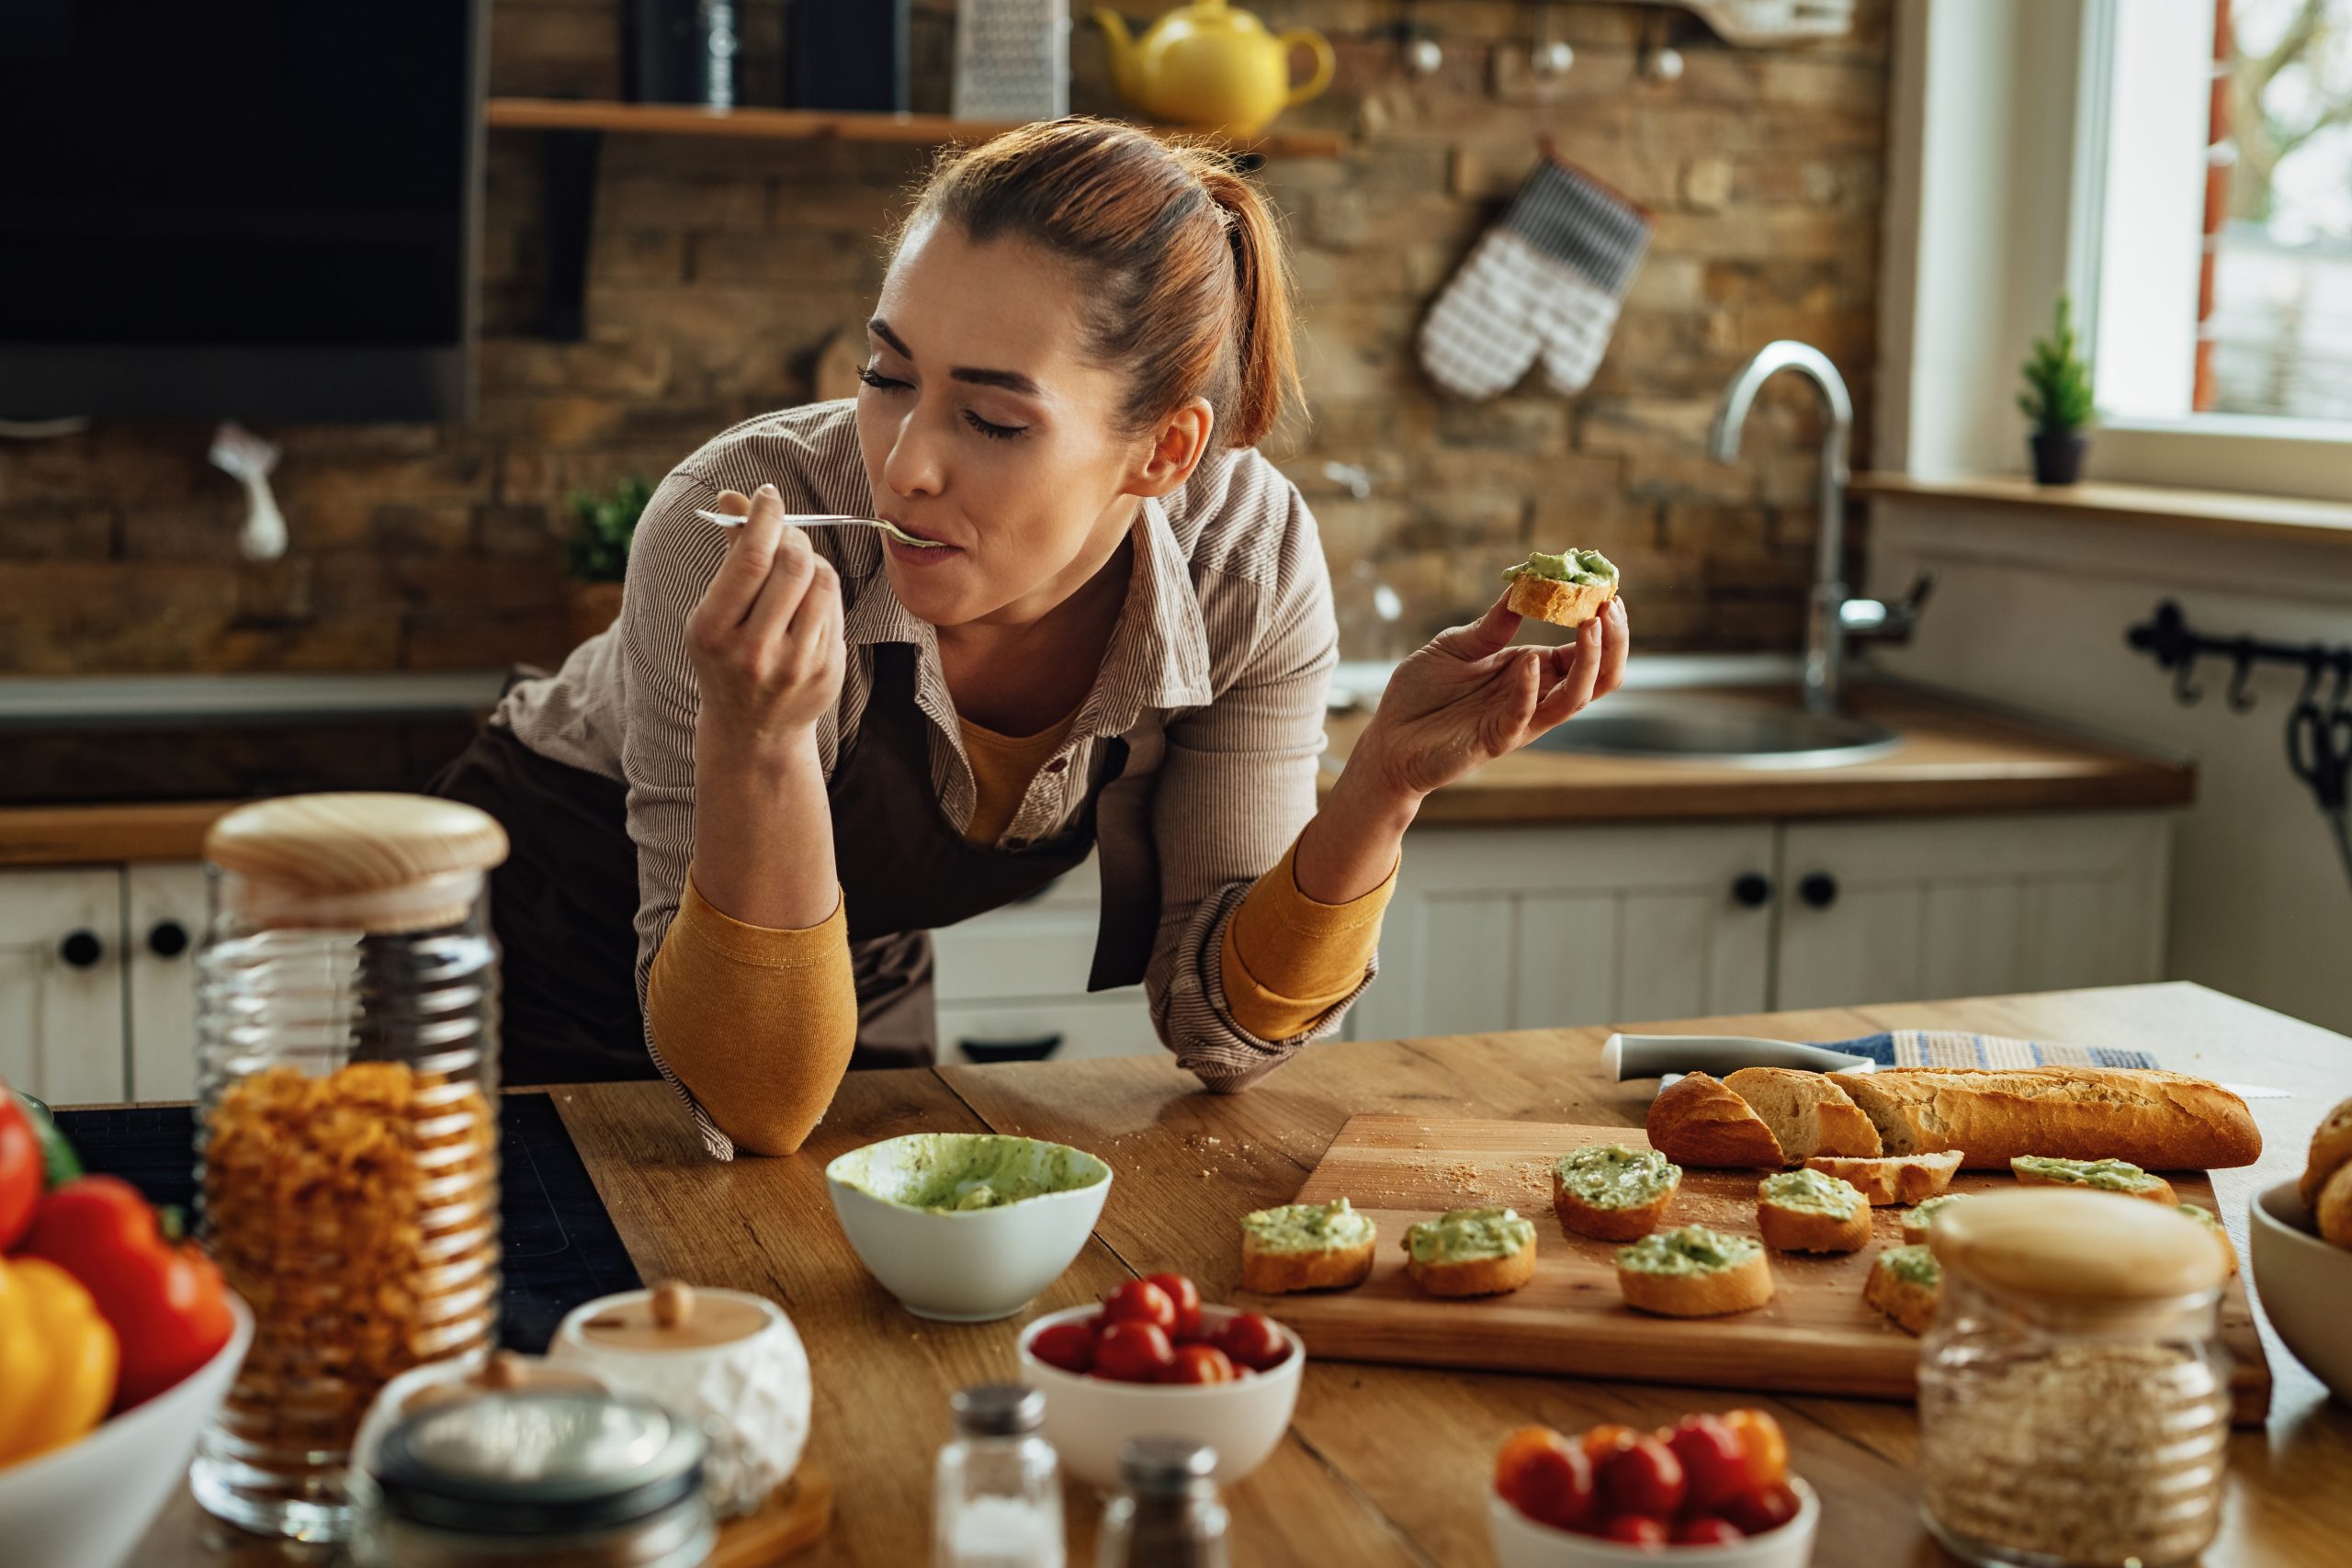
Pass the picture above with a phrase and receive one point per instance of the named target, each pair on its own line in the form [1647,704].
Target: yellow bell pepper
[57,1360]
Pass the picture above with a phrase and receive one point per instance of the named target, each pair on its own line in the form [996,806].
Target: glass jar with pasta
[346,1127]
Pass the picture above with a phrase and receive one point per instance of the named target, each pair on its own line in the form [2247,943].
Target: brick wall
[721,270]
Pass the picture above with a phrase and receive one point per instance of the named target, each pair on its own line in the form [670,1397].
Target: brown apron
[564,904]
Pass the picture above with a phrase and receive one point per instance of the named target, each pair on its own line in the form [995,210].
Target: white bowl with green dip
[967,1227]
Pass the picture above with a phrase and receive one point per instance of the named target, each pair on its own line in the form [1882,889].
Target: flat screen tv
[261,210]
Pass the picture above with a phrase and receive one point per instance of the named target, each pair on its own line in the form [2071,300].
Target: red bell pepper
[164,1299]
[21,1168]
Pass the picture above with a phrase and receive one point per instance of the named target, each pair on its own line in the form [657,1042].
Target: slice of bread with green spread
[2106,1175]
[1471,1252]
[1306,1247]
[1695,1272]
[1905,1283]
[1613,1193]
[1806,1211]
[1566,589]
[1917,1221]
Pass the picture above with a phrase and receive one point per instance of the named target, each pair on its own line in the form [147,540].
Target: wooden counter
[1383,1465]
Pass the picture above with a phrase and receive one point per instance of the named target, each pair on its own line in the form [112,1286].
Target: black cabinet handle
[1013,1048]
[167,939]
[1751,890]
[1818,889]
[82,949]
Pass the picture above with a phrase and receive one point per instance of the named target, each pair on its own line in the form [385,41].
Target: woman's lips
[918,555]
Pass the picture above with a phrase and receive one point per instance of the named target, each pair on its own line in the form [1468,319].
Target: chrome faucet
[1832,616]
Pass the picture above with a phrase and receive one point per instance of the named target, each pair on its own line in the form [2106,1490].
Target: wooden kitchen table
[1383,1464]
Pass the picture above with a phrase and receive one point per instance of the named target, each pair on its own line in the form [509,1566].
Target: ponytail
[1265,357]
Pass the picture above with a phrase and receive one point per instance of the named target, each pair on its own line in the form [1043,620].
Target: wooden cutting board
[1816,1335]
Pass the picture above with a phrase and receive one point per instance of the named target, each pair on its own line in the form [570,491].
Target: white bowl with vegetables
[967,1227]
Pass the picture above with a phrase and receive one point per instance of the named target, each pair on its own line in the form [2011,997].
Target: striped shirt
[1213,677]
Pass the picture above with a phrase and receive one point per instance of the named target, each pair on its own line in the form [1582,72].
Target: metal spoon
[823,520]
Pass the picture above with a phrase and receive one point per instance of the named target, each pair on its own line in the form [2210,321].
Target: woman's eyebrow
[1011,380]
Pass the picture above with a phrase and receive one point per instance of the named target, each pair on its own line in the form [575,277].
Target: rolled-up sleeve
[1236,786]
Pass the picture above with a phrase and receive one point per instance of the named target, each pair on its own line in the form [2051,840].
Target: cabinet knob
[82,949]
[1751,890]
[167,939]
[1818,889]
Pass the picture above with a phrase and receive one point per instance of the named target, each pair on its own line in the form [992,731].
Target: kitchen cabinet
[163,907]
[1012,981]
[62,1031]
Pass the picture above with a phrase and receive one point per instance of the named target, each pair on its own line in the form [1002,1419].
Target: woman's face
[985,425]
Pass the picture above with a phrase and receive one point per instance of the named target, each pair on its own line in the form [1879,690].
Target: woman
[798,752]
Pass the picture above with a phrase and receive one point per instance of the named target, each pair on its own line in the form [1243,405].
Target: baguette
[2156,1119]
[1306,1247]
[1905,1283]
[2104,1175]
[1804,1211]
[1613,1193]
[1808,1114]
[1566,589]
[1895,1178]
[1471,1252]
[2331,1150]
[2333,1212]
[1699,1121]
[1693,1273]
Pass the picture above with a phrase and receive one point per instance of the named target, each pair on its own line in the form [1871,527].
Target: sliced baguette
[1916,1223]
[1808,1114]
[2156,1119]
[1476,1276]
[1699,1121]
[1908,1302]
[2331,1150]
[1273,1273]
[2032,1172]
[1895,1178]
[1790,1229]
[1562,604]
[1740,1286]
[1629,1221]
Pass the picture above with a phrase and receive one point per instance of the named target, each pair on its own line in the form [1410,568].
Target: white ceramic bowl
[1090,1419]
[1520,1542]
[2303,1284]
[87,1504]
[971,1267]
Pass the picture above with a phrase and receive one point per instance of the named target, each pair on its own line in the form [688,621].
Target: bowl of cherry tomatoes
[1150,1360]
[1710,1489]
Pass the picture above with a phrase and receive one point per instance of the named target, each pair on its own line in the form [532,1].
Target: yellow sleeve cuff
[767,947]
[1287,959]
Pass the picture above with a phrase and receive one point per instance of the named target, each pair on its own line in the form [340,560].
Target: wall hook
[2185,689]
[2240,699]
[1549,58]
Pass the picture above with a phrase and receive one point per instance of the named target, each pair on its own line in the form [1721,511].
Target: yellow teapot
[1208,67]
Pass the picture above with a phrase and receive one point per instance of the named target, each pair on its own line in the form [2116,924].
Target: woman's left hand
[1469,697]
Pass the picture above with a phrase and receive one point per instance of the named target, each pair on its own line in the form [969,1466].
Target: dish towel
[1545,281]
[1954,1048]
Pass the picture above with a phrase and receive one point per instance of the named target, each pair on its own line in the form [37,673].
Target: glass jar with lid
[997,1490]
[346,1127]
[1167,1514]
[2074,1393]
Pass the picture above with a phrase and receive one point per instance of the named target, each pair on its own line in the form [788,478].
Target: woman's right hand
[766,639]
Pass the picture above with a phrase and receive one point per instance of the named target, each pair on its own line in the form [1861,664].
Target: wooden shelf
[819,125]
[2185,511]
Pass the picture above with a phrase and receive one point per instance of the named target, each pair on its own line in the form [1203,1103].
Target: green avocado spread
[955,1173]
[1913,1265]
[1614,1176]
[1693,1249]
[1587,568]
[2202,1214]
[1308,1228]
[2114,1175]
[1469,1236]
[1814,1191]
[1924,1213]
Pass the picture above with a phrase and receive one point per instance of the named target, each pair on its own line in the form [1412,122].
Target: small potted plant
[2057,398]
[597,553]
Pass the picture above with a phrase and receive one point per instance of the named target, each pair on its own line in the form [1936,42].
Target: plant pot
[590,608]
[2058,455]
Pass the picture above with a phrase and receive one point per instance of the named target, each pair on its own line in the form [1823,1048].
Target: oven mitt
[1546,280]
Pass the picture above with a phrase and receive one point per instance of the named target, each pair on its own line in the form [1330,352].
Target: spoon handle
[826,520]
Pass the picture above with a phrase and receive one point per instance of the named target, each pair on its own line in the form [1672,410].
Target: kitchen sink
[1722,731]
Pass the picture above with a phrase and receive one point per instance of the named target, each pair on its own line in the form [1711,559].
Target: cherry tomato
[1636,1530]
[1644,1477]
[1707,1529]
[1133,1352]
[1768,1509]
[1140,1300]
[1547,1478]
[1714,1463]
[1070,1346]
[1252,1340]
[1199,1363]
[1187,1297]
[1761,1440]
[1599,1442]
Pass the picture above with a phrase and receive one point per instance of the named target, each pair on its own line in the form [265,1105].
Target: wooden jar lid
[348,859]
[2081,1247]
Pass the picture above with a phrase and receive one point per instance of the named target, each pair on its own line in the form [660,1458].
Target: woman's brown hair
[1189,287]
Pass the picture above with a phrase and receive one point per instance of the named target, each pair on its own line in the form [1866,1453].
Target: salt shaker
[998,1498]
[1167,1514]
[2073,1395]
